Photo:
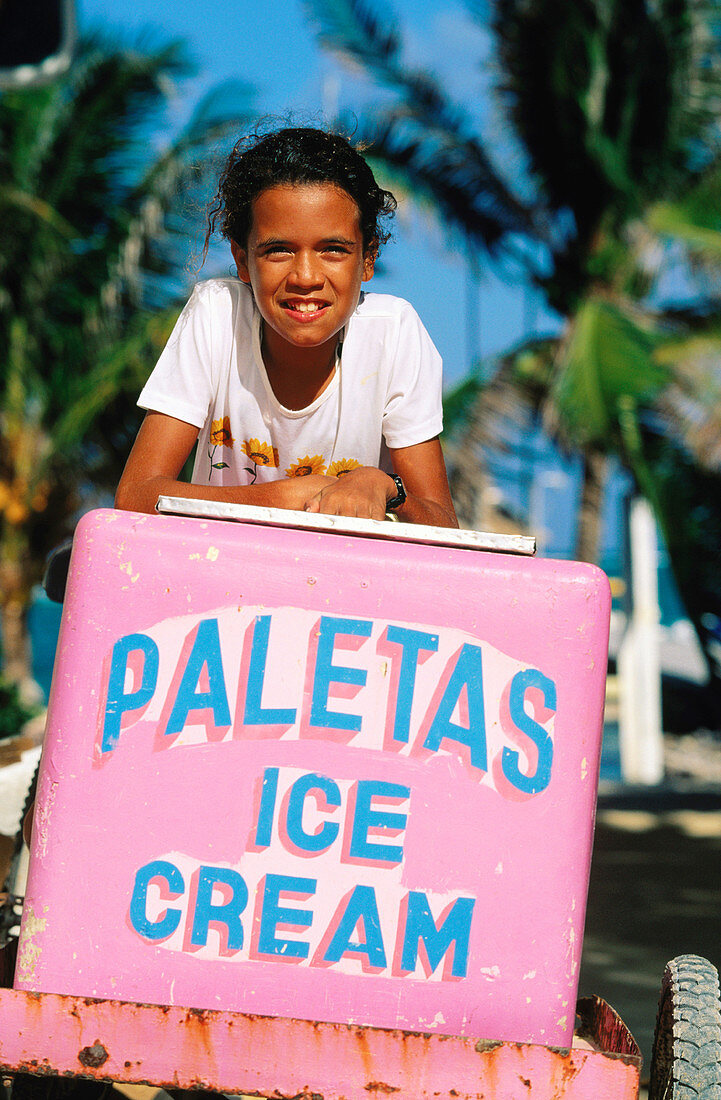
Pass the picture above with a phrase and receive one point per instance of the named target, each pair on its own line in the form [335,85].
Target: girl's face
[305,262]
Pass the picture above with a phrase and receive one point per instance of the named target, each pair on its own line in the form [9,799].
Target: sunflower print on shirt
[305,466]
[260,454]
[220,436]
[343,466]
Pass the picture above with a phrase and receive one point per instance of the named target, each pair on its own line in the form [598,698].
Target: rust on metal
[93,1057]
[596,1020]
[179,1047]
[484,1045]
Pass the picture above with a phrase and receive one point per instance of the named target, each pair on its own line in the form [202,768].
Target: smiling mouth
[306,306]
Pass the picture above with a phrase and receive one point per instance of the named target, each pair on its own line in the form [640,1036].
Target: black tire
[686,1060]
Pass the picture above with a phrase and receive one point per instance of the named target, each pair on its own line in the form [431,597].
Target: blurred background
[559,231]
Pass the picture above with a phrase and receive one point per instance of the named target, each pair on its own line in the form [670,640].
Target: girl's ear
[369,263]
[241,261]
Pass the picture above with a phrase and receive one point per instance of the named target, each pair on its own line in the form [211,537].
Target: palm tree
[89,247]
[612,105]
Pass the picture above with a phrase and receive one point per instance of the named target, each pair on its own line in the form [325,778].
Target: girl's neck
[298,376]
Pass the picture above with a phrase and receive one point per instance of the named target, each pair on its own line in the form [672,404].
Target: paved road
[655,893]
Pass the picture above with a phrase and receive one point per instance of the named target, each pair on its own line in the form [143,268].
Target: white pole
[639,667]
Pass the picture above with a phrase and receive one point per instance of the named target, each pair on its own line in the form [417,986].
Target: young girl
[301,391]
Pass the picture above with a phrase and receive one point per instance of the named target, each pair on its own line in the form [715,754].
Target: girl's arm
[366,491]
[159,454]
[423,471]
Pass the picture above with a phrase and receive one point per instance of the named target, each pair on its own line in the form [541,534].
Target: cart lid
[346,525]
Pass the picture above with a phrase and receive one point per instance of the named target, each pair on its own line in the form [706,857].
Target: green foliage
[423,139]
[458,402]
[686,500]
[694,219]
[13,712]
[97,208]
[613,104]
[97,211]
[613,107]
[608,356]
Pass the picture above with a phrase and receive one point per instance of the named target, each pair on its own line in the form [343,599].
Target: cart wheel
[686,1061]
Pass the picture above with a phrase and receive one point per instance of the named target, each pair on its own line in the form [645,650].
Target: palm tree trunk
[588,538]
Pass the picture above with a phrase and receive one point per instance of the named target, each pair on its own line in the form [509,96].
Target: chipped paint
[212,553]
[29,951]
[93,1057]
[264,1056]
[41,819]
[127,567]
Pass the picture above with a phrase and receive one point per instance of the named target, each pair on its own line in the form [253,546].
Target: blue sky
[271,45]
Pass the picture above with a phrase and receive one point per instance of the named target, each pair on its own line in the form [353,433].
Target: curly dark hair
[296,154]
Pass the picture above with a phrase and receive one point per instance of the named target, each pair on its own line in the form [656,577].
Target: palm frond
[91,238]
[423,136]
[349,29]
[607,357]
[690,406]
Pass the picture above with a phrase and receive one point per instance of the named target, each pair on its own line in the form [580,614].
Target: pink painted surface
[318,776]
[291,1058]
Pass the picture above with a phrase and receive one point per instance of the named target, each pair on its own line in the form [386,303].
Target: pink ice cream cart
[315,814]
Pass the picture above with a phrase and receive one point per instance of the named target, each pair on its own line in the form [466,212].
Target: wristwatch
[399,498]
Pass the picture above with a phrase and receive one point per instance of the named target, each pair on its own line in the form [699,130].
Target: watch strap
[400,497]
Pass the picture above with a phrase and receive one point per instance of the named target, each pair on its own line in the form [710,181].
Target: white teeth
[307,307]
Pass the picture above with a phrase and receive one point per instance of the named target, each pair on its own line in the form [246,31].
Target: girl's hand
[297,492]
[362,492]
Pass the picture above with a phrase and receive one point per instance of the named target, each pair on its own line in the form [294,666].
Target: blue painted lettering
[169,920]
[205,652]
[539,780]
[361,906]
[255,713]
[266,810]
[413,642]
[366,818]
[468,674]
[118,701]
[326,673]
[421,928]
[226,913]
[274,914]
[322,839]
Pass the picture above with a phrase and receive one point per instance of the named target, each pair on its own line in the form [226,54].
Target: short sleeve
[413,409]
[181,384]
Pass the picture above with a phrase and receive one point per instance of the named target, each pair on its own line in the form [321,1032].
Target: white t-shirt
[386,388]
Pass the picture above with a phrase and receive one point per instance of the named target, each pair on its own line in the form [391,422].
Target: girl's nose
[306,271]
